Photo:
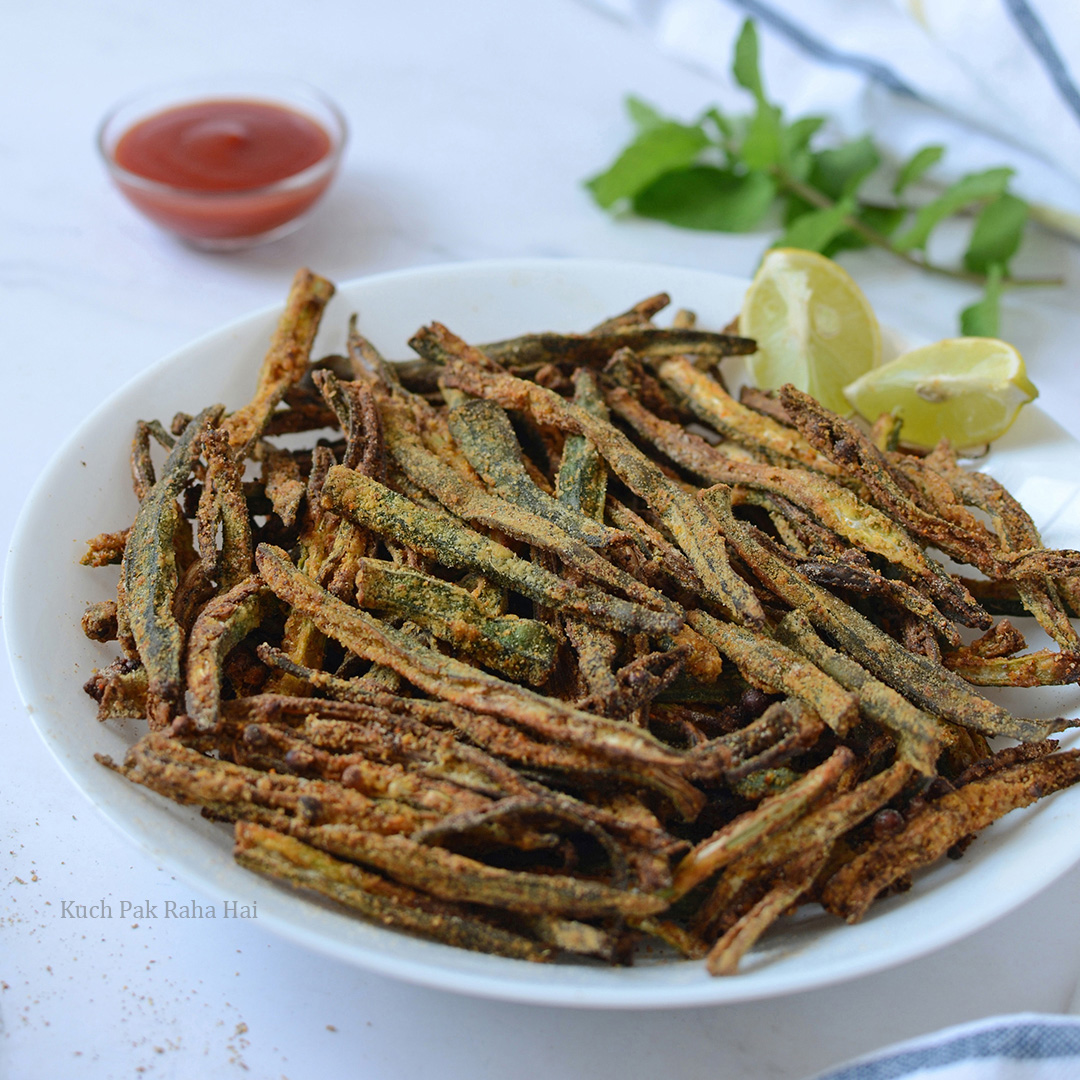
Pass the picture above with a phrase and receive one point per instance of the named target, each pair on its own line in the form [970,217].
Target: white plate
[85,490]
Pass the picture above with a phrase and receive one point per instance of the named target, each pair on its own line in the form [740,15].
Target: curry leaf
[997,234]
[795,145]
[973,188]
[643,114]
[916,165]
[724,126]
[655,151]
[762,147]
[816,229]
[745,67]
[798,133]
[704,197]
[884,220]
[983,318]
[840,171]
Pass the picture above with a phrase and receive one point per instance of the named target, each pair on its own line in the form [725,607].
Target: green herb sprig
[728,173]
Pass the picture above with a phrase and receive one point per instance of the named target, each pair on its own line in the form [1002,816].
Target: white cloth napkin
[997,82]
[1026,1046]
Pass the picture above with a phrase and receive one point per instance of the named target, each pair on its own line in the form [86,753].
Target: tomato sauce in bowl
[222,171]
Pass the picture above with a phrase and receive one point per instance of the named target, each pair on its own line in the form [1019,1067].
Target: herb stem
[818,199]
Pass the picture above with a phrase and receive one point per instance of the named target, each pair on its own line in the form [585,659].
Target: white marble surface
[472,125]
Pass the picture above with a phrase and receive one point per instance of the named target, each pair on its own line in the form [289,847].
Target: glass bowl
[217,200]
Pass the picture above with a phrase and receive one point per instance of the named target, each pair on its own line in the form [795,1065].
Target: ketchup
[218,162]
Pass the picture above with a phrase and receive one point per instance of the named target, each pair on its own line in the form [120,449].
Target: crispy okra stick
[597,650]
[916,733]
[926,684]
[636,317]
[638,683]
[302,866]
[594,350]
[451,679]
[774,668]
[119,689]
[149,575]
[276,748]
[302,641]
[222,624]
[1041,668]
[693,528]
[572,936]
[449,876]
[373,724]
[486,437]
[1017,532]
[226,510]
[790,864]
[510,816]
[796,877]
[286,360]
[663,554]
[863,581]
[99,621]
[489,735]
[713,405]
[766,402]
[384,728]
[105,549]
[940,824]
[524,649]
[442,537]
[581,483]
[142,466]
[358,417]
[755,826]
[473,504]
[834,506]
[236,793]
[848,448]
[784,729]
[282,482]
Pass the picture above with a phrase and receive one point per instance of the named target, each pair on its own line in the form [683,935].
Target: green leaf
[723,123]
[794,145]
[654,152]
[643,115]
[816,229]
[916,166]
[704,197]
[840,171]
[745,67]
[762,146]
[975,187]
[998,231]
[882,219]
[798,133]
[983,318]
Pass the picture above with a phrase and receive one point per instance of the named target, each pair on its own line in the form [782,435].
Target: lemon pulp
[968,390]
[813,326]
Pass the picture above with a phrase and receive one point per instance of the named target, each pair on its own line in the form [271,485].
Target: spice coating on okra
[548,647]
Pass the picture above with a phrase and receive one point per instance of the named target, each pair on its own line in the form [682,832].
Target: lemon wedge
[812,324]
[968,390]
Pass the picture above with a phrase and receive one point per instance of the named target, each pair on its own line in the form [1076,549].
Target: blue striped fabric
[1036,1047]
[1029,24]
